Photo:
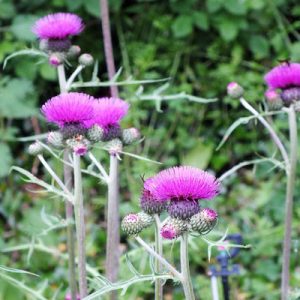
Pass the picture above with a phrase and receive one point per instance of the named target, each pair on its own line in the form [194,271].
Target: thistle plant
[177,190]
[282,96]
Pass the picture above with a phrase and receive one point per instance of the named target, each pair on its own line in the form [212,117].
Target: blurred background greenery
[201,45]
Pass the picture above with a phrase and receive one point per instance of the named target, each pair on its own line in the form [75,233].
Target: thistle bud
[86,60]
[132,224]
[114,147]
[56,59]
[204,221]
[234,90]
[183,209]
[146,219]
[130,135]
[74,51]
[173,228]
[78,144]
[55,139]
[150,205]
[35,149]
[56,45]
[80,149]
[69,296]
[95,133]
[273,99]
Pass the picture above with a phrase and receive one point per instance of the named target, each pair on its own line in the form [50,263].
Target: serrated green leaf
[200,19]
[228,29]
[182,26]
[17,99]
[22,27]
[92,7]
[259,45]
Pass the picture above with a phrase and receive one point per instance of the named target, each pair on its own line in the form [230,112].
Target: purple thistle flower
[69,108]
[108,112]
[58,26]
[284,76]
[183,183]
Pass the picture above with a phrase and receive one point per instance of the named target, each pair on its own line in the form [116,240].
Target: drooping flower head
[69,109]
[182,183]
[108,112]
[58,26]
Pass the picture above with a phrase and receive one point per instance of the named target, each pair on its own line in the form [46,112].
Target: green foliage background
[201,45]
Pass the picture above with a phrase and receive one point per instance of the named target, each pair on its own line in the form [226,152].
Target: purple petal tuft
[58,26]
[182,183]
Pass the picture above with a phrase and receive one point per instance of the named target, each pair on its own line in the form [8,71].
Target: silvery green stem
[291,177]
[165,263]
[159,250]
[272,132]
[185,268]
[80,227]
[68,179]
[113,233]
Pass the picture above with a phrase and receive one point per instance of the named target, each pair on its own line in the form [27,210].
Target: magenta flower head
[70,111]
[182,187]
[58,26]
[108,112]
[286,77]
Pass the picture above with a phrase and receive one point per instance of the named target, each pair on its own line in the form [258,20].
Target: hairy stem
[185,268]
[68,180]
[289,203]
[80,227]
[165,263]
[109,55]
[113,234]
[159,250]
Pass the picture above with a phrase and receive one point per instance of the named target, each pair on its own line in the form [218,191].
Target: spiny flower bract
[182,183]
[58,26]
[69,108]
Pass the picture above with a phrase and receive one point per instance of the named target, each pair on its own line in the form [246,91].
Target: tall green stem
[113,233]
[289,203]
[80,226]
[68,180]
[158,267]
[185,268]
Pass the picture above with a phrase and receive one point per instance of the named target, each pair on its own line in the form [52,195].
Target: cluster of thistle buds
[80,140]
[183,217]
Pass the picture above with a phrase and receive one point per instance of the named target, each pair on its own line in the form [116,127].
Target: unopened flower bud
[114,147]
[35,149]
[234,90]
[146,219]
[55,139]
[95,133]
[173,228]
[56,59]
[204,221]
[80,149]
[273,99]
[150,205]
[183,209]
[74,51]
[130,135]
[86,60]
[132,224]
